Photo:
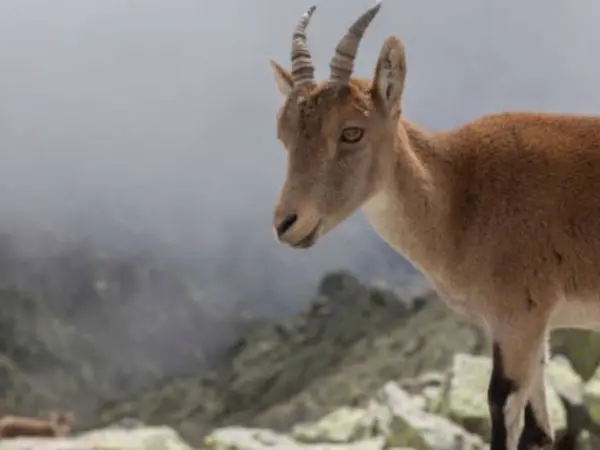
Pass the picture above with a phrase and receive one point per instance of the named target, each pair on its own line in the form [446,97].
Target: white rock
[406,424]
[345,424]
[147,438]
[240,438]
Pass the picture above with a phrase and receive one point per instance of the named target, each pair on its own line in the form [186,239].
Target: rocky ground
[352,339]
[438,410]
[360,369]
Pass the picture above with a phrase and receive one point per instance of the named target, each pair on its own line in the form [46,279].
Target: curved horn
[342,63]
[303,71]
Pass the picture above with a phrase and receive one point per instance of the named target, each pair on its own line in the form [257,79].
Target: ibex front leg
[516,385]
[537,431]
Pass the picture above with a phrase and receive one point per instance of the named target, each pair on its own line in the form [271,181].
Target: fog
[151,124]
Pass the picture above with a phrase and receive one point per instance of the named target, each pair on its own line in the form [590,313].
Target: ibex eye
[351,135]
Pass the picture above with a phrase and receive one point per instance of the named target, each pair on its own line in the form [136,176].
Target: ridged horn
[342,63]
[303,71]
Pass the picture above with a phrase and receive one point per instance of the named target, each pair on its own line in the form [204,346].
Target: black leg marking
[499,389]
[578,419]
[533,436]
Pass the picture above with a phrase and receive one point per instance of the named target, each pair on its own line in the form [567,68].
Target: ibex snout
[296,228]
[283,225]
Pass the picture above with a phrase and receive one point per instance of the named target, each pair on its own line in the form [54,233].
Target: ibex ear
[388,80]
[283,78]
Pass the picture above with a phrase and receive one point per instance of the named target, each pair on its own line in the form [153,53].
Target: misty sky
[157,117]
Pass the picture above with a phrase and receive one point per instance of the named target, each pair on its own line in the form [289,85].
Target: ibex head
[339,133]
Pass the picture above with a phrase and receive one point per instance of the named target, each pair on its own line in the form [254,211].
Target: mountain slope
[79,328]
[351,340]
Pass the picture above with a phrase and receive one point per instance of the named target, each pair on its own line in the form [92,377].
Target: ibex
[58,424]
[502,214]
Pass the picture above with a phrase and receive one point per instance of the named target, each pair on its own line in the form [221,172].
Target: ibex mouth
[310,239]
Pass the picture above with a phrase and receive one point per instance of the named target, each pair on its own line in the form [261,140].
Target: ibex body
[58,424]
[501,214]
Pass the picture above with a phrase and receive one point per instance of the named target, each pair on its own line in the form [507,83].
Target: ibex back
[501,214]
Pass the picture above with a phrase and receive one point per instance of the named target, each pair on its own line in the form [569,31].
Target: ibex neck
[408,211]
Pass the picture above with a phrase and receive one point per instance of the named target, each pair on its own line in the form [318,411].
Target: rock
[345,424]
[428,389]
[561,375]
[127,423]
[416,385]
[592,395]
[403,423]
[148,438]
[466,398]
[239,438]
[582,347]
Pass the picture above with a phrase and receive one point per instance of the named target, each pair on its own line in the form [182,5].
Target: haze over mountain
[150,125]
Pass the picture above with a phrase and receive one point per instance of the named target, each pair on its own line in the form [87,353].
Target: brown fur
[58,424]
[501,214]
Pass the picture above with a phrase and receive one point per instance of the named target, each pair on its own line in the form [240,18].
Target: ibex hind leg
[516,385]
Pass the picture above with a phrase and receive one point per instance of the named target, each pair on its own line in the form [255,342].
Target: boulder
[563,378]
[403,423]
[112,438]
[345,424]
[239,438]
[427,389]
[582,347]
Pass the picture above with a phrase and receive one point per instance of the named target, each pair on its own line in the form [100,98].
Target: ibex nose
[284,225]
